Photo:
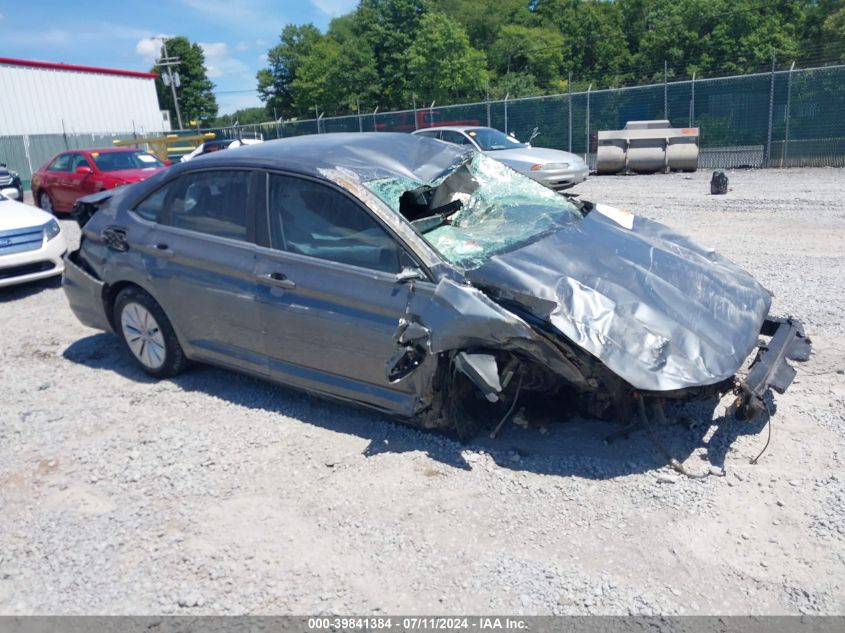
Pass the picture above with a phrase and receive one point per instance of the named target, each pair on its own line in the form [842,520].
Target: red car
[76,173]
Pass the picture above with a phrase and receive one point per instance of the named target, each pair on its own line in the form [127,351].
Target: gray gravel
[217,493]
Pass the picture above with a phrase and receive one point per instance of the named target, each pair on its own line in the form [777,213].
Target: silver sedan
[553,168]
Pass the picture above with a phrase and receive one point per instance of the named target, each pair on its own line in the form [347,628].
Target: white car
[553,168]
[219,144]
[31,243]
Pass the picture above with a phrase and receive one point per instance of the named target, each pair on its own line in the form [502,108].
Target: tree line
[394,53]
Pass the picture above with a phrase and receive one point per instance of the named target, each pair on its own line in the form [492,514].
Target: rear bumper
[770,369]
[84,293]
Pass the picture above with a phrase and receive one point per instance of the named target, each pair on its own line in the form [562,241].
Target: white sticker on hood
[622,217]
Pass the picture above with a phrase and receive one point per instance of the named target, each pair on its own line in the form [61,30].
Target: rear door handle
[279,280]
[161,250]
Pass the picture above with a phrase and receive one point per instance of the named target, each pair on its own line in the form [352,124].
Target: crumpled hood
[659,310]
[535,155]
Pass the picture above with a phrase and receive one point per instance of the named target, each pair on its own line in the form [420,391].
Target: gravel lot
[217,493]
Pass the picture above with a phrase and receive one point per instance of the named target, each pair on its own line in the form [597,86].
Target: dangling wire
[769,438]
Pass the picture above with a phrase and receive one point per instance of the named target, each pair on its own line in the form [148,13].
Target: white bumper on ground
[31,265]
[12,192]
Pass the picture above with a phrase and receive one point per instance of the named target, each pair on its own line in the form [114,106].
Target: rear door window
[309,218]
[152,207]
[211,202]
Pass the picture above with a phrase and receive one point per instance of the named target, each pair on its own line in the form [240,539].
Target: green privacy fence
[785,118]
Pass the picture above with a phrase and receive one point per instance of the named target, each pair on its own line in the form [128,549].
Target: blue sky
[235,34]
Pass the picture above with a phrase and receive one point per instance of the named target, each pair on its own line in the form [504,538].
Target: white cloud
[219,62]
[242,46]
[334,8]
[150,47]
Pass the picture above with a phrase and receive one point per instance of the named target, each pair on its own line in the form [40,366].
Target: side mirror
[409,274]
[83,170]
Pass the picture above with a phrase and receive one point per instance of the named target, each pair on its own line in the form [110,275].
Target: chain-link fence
[784,118]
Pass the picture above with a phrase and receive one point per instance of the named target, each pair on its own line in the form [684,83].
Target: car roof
[103,150]
[369,155]
[455,128]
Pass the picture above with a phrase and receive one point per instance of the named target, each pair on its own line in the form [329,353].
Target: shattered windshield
[477,210]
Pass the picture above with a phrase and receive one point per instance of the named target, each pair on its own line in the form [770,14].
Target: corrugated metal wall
[52,101]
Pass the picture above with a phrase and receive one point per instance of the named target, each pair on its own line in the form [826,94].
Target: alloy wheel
[143,335]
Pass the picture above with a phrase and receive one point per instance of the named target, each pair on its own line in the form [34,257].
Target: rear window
[117,161]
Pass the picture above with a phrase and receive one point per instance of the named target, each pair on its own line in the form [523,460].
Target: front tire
[147,333]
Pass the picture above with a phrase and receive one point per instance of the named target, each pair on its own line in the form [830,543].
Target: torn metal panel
[769,368]
[483,371]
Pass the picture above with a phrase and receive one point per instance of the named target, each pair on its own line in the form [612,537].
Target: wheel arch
[112,290]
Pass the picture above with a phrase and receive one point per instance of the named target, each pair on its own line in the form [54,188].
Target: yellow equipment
[163,146]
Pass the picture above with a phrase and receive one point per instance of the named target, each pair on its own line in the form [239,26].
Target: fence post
[487,102]
[360,123]
[375,129]
[414,99]
[692,102]
[784,157]
[768,157]
[506,111]
[665,90]
[569,101]
[587,146]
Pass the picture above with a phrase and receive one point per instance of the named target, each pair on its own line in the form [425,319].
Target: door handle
[279,280]
[161,250]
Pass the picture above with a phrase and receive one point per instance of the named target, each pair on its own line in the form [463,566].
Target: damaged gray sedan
[428,282]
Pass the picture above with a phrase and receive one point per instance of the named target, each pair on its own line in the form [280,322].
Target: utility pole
[168,63]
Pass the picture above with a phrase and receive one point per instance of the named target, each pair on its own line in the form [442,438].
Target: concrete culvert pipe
[647,147]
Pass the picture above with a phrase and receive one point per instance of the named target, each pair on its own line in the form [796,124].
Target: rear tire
[147,334]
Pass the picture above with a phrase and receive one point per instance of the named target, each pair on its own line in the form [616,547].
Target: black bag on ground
[719,183]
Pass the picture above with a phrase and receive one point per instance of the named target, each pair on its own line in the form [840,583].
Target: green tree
[515,85]
[535,50]
[390,28]
[275,83]
[484,19]
[594,39]
[195,92]
[335,76]
[442,65]
[244,116]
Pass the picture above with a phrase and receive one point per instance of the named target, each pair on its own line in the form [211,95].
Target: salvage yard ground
[217,493]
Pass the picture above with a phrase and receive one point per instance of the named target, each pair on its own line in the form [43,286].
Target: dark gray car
[420,279]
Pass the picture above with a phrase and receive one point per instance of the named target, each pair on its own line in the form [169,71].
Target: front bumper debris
[770,369]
